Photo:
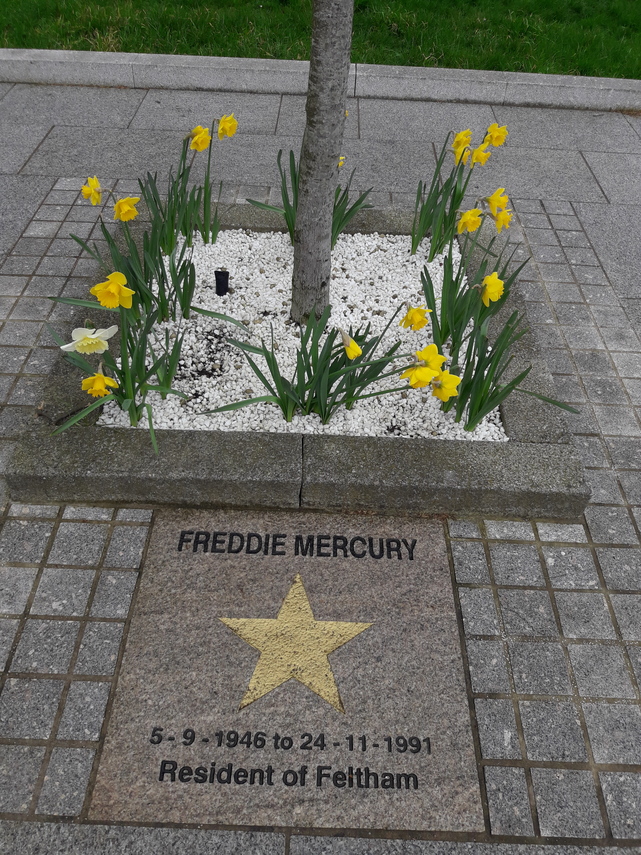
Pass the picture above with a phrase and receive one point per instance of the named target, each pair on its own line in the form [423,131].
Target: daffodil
[444,385]
[97,386]
[113,293]
[90,341]
[469,220]
[200,138]
[427,364]
[415,318]
[462,139]
[124,208]
[480,155]
[497,201]
[492,289]
[227,126]
[496,136]
[503,220]
[92,190]
[341,161]
[352,350]
[462,154]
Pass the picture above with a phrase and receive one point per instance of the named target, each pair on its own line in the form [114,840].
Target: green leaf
[88,304]
[549,400]
[79,416]
[272,399]
[219,316]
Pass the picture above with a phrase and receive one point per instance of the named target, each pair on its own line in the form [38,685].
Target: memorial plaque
[292,669]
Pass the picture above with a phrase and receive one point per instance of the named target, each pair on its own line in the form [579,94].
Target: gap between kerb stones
[536,474]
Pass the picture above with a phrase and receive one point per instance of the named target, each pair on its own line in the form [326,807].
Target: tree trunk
[322,144]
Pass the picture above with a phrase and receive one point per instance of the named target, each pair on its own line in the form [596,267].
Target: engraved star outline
[294,646]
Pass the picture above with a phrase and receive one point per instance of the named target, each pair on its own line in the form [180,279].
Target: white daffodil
[90,341]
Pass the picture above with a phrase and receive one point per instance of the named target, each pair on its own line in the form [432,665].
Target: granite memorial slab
[292,669]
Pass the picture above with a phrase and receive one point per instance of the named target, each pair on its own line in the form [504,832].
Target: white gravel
[371,275]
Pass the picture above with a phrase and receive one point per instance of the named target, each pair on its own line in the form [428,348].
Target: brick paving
[550,611]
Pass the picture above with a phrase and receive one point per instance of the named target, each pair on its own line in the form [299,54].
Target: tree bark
[321,149]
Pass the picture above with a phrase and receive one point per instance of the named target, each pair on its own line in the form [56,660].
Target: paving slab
[184,109]
[378,735]
[72,105]
[20,197]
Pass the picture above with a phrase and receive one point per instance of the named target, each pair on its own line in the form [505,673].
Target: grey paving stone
[32,838]
[31,511]
[19,141]
[479,611]
[508,800]
[28,390]
[470,564]
[24,541]
[584,615]
[15,586]
[72,105]
[99,649]
[113,594]
[84,711]
[71,512]
[539,668]
[65,782]
[20,196]
[126,546]
[614,731]
[45,646]
[28,707]
[20,766]
[622,792]
[542,236]
[527,613]
[617,421]
[183,110]
[627,608]
[625,453]
[428,120]
[605,225]
[573,130]
[20,332]
[12,358]
[628,364]
[528,206]
[571,568]
[552,731]
[567,803]
[62,591]
[78,543]
[585,337]
[592,450]
[617,176]
[145,515]
[488,671]
[631,483]
[621,567]
[516,564]
[497,729]
[592,361]
[600,671]
[563,292]
[602,390]
[8,629]
[610,525]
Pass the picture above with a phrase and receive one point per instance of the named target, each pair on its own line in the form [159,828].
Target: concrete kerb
[536,474]
[271,76]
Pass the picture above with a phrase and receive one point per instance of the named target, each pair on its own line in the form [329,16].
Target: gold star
[294,646]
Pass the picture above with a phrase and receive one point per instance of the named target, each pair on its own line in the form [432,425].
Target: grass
[584,37]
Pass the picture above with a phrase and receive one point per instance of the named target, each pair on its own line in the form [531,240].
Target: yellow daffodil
[227,126]
[492,290]
[341,161]
[469,220]
[462,139]
[427,364]
[113,293]
[352,350]
[90,341]
[92,190]
[97,385]
[480,155]
[461,154]
[124,208]
[503,220]
[444,385]
[346,113]
[496,136]
[415,318]
[497,201]
[200,138]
